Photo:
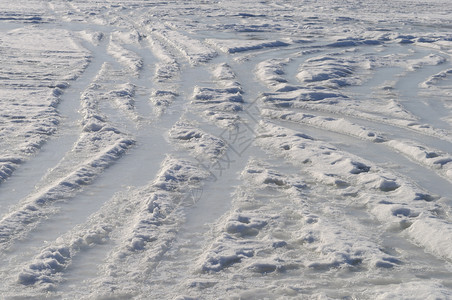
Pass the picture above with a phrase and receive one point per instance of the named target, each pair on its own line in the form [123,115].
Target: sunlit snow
[225,149]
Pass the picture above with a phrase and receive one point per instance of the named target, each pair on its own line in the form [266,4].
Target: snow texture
[225,150]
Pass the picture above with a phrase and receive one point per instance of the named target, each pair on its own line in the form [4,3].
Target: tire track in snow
[27,125]
[40,272]
[53,149]
[334,229]
[53,189]
[271,72]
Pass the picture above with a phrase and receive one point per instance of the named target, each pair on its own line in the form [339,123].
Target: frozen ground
[225,149]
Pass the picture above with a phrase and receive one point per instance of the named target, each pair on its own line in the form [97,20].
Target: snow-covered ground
[225,149]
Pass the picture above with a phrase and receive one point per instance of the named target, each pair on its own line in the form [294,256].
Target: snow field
[228,150]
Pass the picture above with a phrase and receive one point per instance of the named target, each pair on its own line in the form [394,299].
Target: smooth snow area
[225,149]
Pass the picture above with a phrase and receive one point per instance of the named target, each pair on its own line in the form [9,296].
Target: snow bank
[166,71]
[339,168]
[46,269]
[436,78]
[413,290]
[98,146]
[123,98]
[388,112]
[321,80]
[429,60]
[161,99]
[36,207]
[293,97]
[144,220]
[433,234]
[132,37]
[352,42]
[92,37]
[256,237]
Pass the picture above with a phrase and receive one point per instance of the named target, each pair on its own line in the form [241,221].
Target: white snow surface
[226,149]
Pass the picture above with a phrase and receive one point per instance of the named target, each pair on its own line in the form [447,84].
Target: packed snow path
[225,149]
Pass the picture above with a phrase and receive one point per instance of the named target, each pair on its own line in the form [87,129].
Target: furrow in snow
[195,51]
[340,125]
[129,59]
[168,67]
[166,71]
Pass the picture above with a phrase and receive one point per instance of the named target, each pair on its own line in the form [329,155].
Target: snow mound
[220,105]
[328,72]
[199,142]
[234,46]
